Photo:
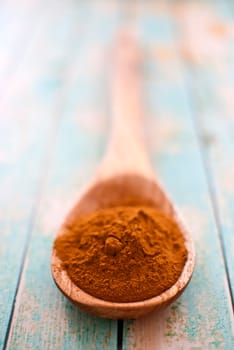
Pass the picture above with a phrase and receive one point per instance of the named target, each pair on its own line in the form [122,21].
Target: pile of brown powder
[123,254]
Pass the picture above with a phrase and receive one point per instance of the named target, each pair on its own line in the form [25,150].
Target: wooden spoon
[125,177]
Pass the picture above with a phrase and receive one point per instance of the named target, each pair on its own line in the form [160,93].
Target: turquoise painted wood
[43,318]
[23,147]
[214,110]
[53,130]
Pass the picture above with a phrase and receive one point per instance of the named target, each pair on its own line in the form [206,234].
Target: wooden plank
[43,318]
[22,148]
[27,121]
[214,109]
[201,318]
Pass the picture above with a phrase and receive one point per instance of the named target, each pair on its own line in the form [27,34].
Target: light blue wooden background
[53,130]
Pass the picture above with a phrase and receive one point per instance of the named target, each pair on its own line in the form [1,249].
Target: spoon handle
[126,151]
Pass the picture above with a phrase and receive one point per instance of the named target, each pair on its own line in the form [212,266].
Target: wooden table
[53,130]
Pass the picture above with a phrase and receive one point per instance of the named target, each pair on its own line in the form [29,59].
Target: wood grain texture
[22,151]
[214,112]
[202,318]
[43,319]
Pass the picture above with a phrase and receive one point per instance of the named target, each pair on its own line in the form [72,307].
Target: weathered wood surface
[22,149]
[53,124]
[202,317]
[212,69]
[51,96]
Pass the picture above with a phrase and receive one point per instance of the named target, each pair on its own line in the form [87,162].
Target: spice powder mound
[123,254]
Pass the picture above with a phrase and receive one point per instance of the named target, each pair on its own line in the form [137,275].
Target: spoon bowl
[124,178]
[125,188]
